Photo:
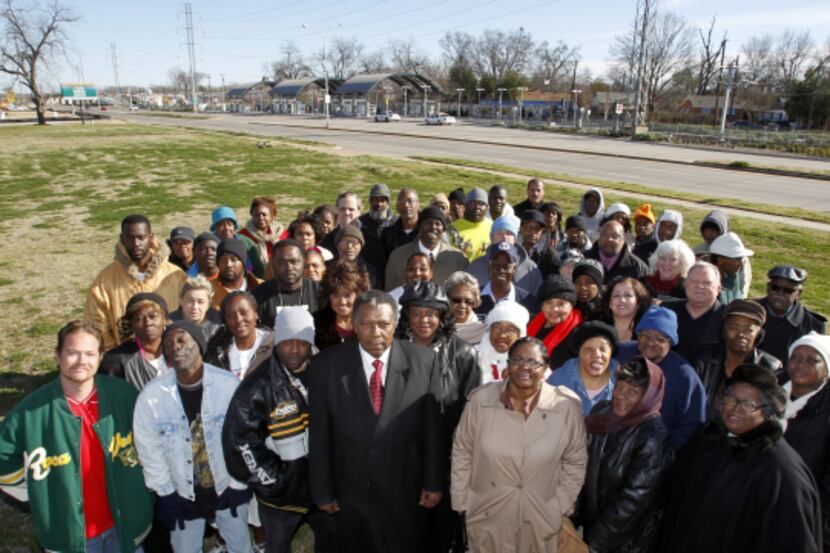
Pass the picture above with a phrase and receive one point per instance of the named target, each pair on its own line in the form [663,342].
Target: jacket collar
[159,253]
[748,445]
[550,398]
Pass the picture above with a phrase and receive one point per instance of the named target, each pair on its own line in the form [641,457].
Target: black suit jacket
[375,466]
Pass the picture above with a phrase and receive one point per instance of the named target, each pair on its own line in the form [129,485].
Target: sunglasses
[465,301]
[782,289]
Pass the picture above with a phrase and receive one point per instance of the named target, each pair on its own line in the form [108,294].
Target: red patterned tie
[496,373]
[376,386]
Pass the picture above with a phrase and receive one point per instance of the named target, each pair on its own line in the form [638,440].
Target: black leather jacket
[265,436]
[620,505]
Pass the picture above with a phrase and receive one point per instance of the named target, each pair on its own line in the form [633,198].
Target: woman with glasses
[808,413]
[463,292]
[519,457]
[629,456]
[740,488]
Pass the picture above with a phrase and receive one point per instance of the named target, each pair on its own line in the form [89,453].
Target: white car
[387,117]
[439,119]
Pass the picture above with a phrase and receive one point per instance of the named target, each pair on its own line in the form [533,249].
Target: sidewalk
[476,132]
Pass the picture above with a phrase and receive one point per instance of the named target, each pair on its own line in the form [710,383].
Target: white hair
[681,248]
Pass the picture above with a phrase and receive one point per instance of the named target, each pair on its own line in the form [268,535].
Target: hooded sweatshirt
[719,219]
[592,224]
[673,217]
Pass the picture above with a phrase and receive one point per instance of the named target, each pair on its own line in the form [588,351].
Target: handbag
[569,540]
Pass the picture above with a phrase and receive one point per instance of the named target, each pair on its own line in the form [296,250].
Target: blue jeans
[106,543]
[233,529]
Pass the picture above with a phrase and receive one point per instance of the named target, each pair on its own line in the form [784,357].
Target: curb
[763,170]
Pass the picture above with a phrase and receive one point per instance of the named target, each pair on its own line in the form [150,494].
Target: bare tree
[374,63]
[710,57]
[457,47]
[180,79]
[406,56]
[793,49]
[669,52]
[291,64]
[31,35]
[344,57]
[555,61]
[497,53]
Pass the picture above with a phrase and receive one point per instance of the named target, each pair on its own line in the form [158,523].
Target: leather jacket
[620,505]
[265,436]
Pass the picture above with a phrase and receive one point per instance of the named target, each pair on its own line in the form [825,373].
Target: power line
[252,14]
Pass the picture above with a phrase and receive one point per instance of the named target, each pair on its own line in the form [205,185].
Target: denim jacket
[162,432]
[568,375]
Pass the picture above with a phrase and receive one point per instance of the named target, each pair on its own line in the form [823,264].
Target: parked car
[745,125]
[439,119]
[387,117]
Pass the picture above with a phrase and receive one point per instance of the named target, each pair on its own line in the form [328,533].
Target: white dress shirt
[426,251]
[369,369]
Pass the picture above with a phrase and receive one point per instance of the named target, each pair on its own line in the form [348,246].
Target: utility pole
[731,74]
[115,68]
[720,80]
[191,53]
[638,97]
[223,90]
[324,35]
[459,90]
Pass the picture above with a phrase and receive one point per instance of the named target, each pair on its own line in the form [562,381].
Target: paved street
[578,156]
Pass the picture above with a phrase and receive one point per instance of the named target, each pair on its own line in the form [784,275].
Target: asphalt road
[591,157]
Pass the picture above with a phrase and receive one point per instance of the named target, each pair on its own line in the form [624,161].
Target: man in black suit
[376,453]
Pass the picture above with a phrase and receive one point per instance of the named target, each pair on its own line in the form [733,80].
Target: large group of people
[432,376]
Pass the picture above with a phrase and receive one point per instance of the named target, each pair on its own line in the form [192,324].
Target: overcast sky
[236,38]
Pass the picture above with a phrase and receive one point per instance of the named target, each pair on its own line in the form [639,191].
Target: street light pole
[405,90]
[425,88]
[501,91]
[576,94]
[521,101]
[327,98]
[459,90]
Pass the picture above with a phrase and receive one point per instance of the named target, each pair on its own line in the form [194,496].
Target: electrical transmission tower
[115,69]
[191,53]
[640,102]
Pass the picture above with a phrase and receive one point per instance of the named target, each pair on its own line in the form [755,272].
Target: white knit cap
[618,208]
[511,312]
[294,323]
[818,342]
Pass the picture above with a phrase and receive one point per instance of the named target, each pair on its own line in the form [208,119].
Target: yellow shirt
[475,237]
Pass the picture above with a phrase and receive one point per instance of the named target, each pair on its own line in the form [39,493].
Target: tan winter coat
[516,478]
[109,293]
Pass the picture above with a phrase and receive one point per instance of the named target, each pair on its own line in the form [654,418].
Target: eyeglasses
[782,289]
[531,364]
[746,405]
[465,301]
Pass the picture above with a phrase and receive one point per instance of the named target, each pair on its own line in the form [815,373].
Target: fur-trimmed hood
[748,445]
[159,252]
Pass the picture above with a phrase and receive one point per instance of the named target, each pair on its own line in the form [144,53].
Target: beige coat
[109,293]
[514,478]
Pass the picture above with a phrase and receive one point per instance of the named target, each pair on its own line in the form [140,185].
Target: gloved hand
[172,510]
[232,498]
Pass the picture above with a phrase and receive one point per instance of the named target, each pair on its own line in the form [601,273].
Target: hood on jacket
[159,252]
[593,222]
[673,217]
[719,219]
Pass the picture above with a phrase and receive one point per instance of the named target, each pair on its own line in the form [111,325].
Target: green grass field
[64,189]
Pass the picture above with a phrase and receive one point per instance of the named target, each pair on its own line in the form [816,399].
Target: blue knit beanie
[505,222]
[660,319]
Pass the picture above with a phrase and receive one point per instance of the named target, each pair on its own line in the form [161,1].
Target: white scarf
[796,405]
